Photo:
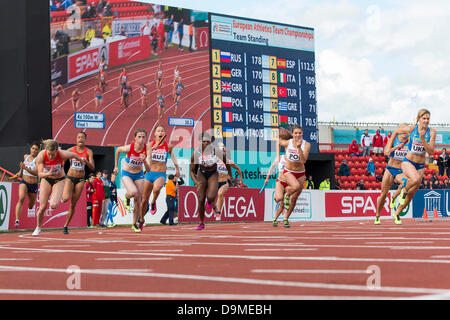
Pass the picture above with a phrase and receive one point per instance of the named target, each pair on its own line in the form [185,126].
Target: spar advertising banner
[85,62]
[52,219]
[128,50]
[352,204]
[430,200]
[240,205]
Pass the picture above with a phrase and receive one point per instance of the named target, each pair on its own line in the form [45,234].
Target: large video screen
[122,65]
[116,67]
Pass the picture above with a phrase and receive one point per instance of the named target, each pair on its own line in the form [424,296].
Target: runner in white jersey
[28,186]
[203,171]
[396,150]
[297,152]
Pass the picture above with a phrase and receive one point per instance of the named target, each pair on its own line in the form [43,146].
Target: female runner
[159,78]
[177,94]
[422,140]
[29,184]
[98,96]
[145,99]
[132,173]
[203,171]
[56,91]
[125,92]
[155,179]
[75,178]
[297,152]
[50,167]
[396,151]
[76,99]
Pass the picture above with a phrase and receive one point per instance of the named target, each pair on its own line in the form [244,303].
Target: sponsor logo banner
[202,38]
[5,205]
[52,219]
[128,50]
[240,204]
[354,204]
[431,200]
[85,62]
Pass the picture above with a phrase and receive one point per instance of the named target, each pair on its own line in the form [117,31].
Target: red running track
[252,261]
[120,123]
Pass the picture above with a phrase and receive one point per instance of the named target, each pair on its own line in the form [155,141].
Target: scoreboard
[262,78]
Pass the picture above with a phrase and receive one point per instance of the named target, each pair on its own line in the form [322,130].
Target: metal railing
[4,172]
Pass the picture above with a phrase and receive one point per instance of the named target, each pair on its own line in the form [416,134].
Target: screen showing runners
[262,78]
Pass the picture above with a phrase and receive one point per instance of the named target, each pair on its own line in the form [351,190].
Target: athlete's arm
[274,164]
[123,149]
[429,146]
[236,167]
[40,166]
[305,153]
[69,155]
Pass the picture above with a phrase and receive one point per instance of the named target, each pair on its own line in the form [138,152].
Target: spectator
[365,143]
[353,149]
[171,197]
[62,42]
[446,184]
[166,33]
[360,185]
[90,12]
[309,183]
[386,139]
[344,169]
[154,38]
[97,199]
[89,192]
[380,177]
[425,184]
[180,33]
[437,184]
[54,47]
[66,3]
[113,190]
[122,32]
[107,10]
[171,28]
[442,162]
[145,30]
[434,177]
[100,6]
[90,34]
[337,185]
[325,184]
[160,30]
[191,35]
[106,203]
[106,31]
[377,143]
[371,167]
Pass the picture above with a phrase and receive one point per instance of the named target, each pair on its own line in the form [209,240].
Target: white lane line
[151,250]
[132,259]
[283,249]
[15,259]
[245,257]
[310,271]
[183,296]
[66,246]
[264,282]
[400,242]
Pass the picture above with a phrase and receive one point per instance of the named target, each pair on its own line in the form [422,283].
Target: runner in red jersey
[50,167]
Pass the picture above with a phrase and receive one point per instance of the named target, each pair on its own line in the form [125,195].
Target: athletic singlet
[292,152]
[134,158]
[160,73]
[179,86]
[161,100]
[400,153]
[98,92]
[123,77]
[55,166]
[55,92]
[144,91]
[282,164]
[207,160]
[102,76]
[31,165]
[415,146]
[221,167]
[74,163]
[175,73]
[160,154]
[125,91]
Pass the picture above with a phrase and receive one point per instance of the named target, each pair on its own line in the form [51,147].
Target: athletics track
[254,261]
[120,123]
